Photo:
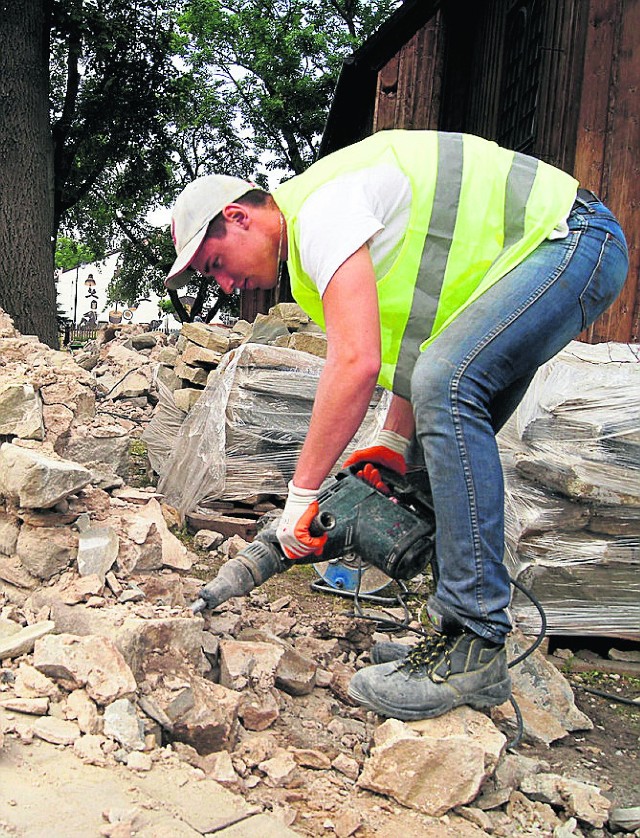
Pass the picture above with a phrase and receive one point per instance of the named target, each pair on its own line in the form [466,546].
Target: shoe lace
[428,654]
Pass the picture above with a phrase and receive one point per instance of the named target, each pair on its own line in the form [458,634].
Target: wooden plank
[227,525]
[387,95]
[621,171]
[599,665]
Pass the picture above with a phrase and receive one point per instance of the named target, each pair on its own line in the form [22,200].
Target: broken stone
[122,724]
[46,551]
[291,313]
[34,706]
[419,764]
[20,411]
[258,709]
[207,539]
[280,770]
[209,720]
[174,554]
[295,674]
[160,645]
[245,664]
[583,800]
[313,344]
[8,628]
[309,758]
[544,695]
[30,683]
[627,820]
[147,340]
[81,708]
[13,572]
[9,529]
[186,397]
[196,375]
[203,334]
[56,731]
[92,662]
[139,762]
[23,641]
[522,811]
[97,443]
[74,590]
[195,355]
[32,479]
[89,749]
[134,384]
[97,548]
[346,765]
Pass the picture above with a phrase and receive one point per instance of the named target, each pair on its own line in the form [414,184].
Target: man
[448,269]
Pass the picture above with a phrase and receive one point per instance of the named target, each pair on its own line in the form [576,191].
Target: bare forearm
[400,417]
[341,403]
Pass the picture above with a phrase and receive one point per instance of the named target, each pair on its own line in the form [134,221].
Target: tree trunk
[27,283]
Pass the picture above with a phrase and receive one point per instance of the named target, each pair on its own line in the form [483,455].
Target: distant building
[82,297]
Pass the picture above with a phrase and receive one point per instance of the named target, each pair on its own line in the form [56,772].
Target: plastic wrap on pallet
[571,459]
[163,428]
[244,435]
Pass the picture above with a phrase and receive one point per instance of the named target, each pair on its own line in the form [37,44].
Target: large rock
[161,645]
[201,714]
[96,443]
[210,337]
[20,411]
[544,695]
[32,479]
[46,551]
[91,662]
[436,764]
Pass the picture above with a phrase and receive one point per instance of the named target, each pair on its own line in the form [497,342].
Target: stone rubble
[100,654]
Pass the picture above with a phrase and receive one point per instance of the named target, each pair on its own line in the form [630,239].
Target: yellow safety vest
[477,210]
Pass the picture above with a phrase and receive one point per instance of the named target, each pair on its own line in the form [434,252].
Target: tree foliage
[71,253]
[115,93]
[275,63]
[148,96]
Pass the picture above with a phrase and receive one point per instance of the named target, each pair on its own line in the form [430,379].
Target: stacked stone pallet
[185,368]
[572,465]
[249,392]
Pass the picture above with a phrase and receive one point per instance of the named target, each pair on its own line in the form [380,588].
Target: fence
[75,337]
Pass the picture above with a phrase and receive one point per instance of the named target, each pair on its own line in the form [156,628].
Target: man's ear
[236,214]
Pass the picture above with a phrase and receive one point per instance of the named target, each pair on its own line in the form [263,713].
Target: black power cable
[391,624]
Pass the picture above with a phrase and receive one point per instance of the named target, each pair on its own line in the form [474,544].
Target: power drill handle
[322,523]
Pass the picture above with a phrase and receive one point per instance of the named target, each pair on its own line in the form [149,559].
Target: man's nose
[225,282]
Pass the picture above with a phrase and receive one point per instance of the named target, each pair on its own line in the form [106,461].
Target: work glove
[293,530]
[389,451]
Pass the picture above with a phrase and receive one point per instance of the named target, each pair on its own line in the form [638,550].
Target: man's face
[245,259]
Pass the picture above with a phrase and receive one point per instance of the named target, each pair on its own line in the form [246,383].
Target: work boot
[439,673]
[385,651]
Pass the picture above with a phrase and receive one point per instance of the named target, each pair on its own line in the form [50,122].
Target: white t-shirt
[371,206]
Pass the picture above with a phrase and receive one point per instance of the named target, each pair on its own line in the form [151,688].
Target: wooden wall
[607,156]
[450,75]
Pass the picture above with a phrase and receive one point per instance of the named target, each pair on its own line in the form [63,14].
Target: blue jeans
[468,382]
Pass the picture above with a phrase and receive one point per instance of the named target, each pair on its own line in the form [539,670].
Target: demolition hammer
[395,532]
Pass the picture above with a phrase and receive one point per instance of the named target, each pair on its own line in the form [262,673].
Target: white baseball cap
[195,207]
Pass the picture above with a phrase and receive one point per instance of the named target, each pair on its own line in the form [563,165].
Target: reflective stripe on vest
[433,263]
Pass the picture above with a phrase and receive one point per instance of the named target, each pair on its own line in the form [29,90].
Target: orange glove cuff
[381,456]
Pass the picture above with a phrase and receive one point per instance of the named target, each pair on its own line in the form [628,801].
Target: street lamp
[75,297]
